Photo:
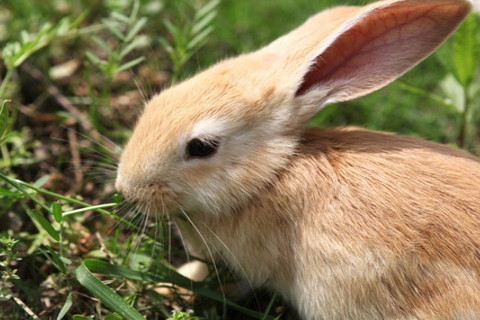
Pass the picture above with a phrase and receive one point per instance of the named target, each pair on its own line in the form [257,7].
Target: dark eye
[198,148]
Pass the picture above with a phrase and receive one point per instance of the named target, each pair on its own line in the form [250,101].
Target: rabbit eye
[198,148]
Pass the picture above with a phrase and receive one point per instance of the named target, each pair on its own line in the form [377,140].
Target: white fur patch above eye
[210,127]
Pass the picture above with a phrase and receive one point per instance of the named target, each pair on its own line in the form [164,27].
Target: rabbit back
[390,227]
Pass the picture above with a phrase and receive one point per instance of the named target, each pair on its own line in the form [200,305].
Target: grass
[74,78]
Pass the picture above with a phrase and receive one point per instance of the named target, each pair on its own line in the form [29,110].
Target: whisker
[106,153]
[217,273]
[164,227]
[142,91]
[90,165]
[98,157]
[99,175]
[144,214]
[237,262]
[184,245]
[106,139]
[129,208]
[138,219]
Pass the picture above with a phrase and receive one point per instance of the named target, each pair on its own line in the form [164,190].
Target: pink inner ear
[383,45]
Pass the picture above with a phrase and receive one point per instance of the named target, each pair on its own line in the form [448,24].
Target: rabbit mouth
[152,199]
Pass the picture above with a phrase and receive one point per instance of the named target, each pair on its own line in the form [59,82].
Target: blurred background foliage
[74,76]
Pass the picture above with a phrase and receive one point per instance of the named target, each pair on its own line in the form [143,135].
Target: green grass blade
[7,117]
[130,47]
[135,29]
[89,208]
[10,194]
[44,223]
[168,275]
[54,258]
[207,8]
[199,39]
[130,64]
[114,28]
[57,211]
[42,181]
[269,307]
[104,293]
[466,50]
[203,23]
[93,58]
[68,304]
[422,92]
[120,17]
[102,44]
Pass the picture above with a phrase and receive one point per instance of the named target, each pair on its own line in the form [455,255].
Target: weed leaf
[44,223]
[104,293]
[68,304]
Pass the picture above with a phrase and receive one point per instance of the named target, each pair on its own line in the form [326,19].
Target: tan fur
[344,223]
[392,222]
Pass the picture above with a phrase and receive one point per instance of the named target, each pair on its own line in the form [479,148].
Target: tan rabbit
[344,223]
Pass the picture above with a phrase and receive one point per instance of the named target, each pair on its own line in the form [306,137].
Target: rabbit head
[211,143]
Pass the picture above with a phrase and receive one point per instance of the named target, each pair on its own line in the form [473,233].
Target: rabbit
[344,223]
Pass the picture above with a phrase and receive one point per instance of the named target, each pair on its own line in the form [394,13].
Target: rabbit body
[389,228]
[344,223]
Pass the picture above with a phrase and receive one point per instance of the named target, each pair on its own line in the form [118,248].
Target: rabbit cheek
[195,192]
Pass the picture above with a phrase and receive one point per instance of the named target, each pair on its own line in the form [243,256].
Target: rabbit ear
[347,52]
